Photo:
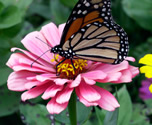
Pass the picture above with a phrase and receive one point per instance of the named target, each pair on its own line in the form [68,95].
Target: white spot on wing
[104,9]
[79,11]
[79,5]
[87,4]
[82,30]
[96,6]
[84,12]
[74,12]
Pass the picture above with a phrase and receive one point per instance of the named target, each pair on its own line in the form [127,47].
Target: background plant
[19,17]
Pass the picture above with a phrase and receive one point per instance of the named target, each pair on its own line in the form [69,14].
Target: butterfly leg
[73,64]
[58,65]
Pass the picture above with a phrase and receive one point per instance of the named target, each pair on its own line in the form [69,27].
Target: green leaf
[143,49]
[40,9]
[9,101]
[106,117]
[34,114]
[13,12]
[100,115]
[23,5]
[148,102]
[88,123]
[139,115]
[1,6]
[122,18]
[111,117]
[69,3]
[59,12]
[9,2]
[36,100]
[11,31]
[63,117]
[83,112]
[125,110]
[140,11]
[4,53]
[9,17]
[4,75]
[92,120]
[26,28]
[19,3]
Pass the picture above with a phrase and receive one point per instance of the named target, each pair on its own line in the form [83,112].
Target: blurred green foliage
[19,17]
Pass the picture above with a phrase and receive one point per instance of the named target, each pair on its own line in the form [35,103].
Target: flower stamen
[56,57]
[66,69]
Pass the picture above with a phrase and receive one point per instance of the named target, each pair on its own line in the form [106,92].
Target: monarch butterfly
[91,33]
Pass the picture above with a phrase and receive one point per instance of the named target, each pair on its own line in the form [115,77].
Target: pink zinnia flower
[41,78]
[144,92]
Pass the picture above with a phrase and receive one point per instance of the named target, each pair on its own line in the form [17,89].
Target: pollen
[56,57]
[67,70]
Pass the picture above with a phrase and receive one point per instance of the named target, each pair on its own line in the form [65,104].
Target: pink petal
[13,60]
[75,82]
[90,65]
[89,81]
[17,80]
[59,81]
[51,33]
[134,71]
[19,61]
[114,77]
[107,100]
[108,68]
[36,46]
[130,59]
[34,57]
[51,91]
[61,27]
[88,93]
[45,77]
[84,101]
[28,62]
[111,77]
[25,67]
[31,84]
[34,92]
[126,77]
[96,74]
[64,95]
[54,108]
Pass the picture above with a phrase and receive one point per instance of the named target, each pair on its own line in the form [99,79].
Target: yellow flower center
[150,88]
[66,69]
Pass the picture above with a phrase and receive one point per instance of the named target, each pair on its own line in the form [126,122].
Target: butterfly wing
[86,12]
[103,42]
[93,35]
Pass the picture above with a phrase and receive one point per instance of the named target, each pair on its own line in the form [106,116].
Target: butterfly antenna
[39,57]
[43,41]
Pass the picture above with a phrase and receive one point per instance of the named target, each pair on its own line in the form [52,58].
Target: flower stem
[72,109]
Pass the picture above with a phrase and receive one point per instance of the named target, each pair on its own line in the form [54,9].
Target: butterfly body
[69,54]
[91,33]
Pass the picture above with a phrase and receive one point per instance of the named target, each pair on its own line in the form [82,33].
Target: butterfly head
[56,49]
[67,54]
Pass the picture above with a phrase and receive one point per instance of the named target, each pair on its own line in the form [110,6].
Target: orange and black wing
[102,42]
[93,35]
[86,12]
